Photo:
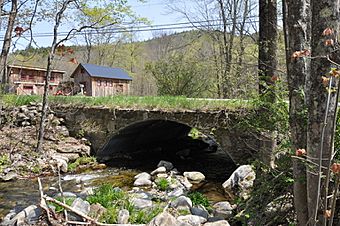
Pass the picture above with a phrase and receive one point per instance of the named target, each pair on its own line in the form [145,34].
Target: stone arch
[148,141]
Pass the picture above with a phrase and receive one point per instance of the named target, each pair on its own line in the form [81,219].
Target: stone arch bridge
[115,132]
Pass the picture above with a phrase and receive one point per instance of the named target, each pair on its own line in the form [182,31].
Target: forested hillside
[187,63]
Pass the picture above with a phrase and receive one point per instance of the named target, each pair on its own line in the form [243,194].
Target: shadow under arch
[143,144]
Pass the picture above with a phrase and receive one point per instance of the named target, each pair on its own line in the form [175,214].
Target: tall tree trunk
[297,37]
[268,34]
[8,40]
[325,14]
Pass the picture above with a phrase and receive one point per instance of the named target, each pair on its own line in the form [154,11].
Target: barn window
[28,87]
[99,83]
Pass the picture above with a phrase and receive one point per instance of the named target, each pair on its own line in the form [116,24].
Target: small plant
[144,216]
[4,161]
[59,209]
[198,198]
[183,212]
[162,184]
[110,216]
[81,161]
[107,196]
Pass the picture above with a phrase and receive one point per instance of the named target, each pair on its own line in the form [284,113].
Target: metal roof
[106,72]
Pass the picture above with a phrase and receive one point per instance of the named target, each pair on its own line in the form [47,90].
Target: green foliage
[337,138]
[195,133]
[198,198]
[81,161]
[162,184]
[271,186]
[179,75]
[144,216]
[59,209]
[183,212]
[106,196]
[115,200]
[4,162]
[135,102]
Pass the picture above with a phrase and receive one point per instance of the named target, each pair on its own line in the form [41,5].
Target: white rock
[143,175]
[176,193]
[223,209]
[141,203]
[195,177]
[123,216]
[162,175]
[142,182]
[243,176]
[181,202]
[217,223]
[164,219]
[192,219]
[161,169]
[184,181]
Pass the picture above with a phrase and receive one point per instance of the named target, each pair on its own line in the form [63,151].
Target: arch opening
[143,144]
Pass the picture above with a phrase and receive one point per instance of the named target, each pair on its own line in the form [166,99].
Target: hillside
[197,48]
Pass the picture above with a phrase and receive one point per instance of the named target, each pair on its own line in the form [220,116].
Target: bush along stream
[161,197]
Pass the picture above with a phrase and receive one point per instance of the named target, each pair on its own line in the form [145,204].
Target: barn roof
[106,72]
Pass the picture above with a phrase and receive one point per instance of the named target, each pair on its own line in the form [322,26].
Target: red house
[26,80]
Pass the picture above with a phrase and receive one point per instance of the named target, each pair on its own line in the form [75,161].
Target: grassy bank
[133,102]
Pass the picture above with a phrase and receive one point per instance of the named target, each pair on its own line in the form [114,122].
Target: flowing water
[19,194]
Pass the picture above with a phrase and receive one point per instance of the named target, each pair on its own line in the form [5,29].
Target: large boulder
[29,215]
[241,181]
[181,202]
[168,165]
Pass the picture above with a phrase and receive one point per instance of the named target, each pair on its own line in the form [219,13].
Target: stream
[19,194]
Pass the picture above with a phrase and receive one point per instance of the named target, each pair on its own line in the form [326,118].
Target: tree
[267,44]
[322,103]
[297,37]
[8,40]
[179,75]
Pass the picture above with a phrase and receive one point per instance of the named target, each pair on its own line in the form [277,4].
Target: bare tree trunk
[267,43]
[297,37]
[8,40]
[325,14]
[48,75]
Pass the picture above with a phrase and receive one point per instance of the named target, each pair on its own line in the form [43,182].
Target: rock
[243,178]
[164,219]
[81,206]
[168,165]
[66,194]
[9,176]
[61,162]
[161,169]
[162,175]
[192,219]
[223,209]
[184,181]
[199,211]
[143,179]
[123,216]
[96,210]
[214,219]
[87,191]
[195,177]
[25,123]
[217,223]
[29,215]
[181,202]
[142,182]
[141,203]
[176,193]
[143,175]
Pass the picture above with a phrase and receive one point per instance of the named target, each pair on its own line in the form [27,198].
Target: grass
[198,198]
[132,102]
[115,200]
[162,184]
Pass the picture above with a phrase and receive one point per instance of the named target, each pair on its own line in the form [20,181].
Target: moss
[81,161]
[124,179]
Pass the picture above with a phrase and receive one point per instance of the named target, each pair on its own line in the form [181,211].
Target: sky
[155,11]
